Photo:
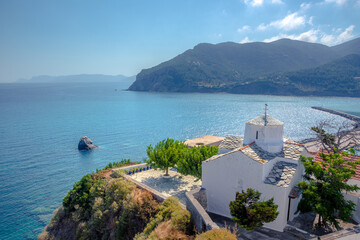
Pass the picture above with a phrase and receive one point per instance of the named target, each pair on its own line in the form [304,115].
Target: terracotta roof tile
[350,158]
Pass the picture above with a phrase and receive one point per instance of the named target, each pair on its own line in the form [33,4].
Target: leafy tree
[249,212]
[165,154]
[324,186]
[192,158]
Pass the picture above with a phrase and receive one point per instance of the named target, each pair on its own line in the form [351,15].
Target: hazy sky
[61,37]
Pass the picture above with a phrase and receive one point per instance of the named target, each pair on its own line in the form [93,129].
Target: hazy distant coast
[85,78]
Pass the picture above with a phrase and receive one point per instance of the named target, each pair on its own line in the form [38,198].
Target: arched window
[257,134]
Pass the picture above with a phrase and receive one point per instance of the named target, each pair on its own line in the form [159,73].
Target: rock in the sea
[85,143]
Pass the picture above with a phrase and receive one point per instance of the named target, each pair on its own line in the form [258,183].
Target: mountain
[232,67]
[337,78]
[78,78]
[350,47]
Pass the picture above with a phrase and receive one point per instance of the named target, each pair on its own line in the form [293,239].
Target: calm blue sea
[41,124]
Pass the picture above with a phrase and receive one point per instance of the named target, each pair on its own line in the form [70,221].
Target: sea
[41,124]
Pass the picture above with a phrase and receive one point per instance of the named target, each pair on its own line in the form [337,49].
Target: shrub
[249,212]
[118,173]
[121,163]
[217,234]
[79,195]
[170,218]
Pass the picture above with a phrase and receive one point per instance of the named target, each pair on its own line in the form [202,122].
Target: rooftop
[281,174]
[231,142]
[260,121]
[350,158]
[205,140]
[290,151]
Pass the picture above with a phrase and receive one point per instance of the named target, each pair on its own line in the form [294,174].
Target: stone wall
[201,219]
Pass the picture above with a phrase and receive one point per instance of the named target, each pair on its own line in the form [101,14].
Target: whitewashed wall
[355,198]
[270,138]
[222,178]
[234,172]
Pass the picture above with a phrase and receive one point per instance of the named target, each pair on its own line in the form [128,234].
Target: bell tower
[266,131]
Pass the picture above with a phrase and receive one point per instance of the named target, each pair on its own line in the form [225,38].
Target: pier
[341,114]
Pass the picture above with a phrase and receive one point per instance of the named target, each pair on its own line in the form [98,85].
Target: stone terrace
[176,185]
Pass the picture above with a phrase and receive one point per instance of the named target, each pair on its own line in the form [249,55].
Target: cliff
[104,205]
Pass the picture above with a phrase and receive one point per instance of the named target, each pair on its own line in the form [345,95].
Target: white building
[262,160]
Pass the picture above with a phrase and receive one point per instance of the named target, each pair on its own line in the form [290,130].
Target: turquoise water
[40,125]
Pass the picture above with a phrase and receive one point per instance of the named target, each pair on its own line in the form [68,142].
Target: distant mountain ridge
[78,78]
[233,67]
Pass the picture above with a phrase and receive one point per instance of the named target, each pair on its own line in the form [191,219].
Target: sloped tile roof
[260,121]
[295,192]
[290,151]
[281,174]
[204,140]
[231,142]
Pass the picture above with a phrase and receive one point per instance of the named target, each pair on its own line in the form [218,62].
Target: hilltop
[257,68]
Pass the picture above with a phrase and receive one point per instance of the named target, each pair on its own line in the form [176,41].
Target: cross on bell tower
[265,120]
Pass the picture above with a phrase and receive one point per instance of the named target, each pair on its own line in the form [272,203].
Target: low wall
[201,219]
[130,167]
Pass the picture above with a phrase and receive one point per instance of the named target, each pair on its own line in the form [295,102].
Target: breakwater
[341,114]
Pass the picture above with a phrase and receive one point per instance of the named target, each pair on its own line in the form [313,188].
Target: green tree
[324,186]
[249,212]
[165,154]
[191,159]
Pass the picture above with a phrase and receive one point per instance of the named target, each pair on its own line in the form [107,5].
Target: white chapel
[263,160]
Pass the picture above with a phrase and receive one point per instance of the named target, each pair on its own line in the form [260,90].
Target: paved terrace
[177,185]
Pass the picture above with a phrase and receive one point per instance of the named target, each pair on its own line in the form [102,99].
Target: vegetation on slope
[104,205]
[340,77]
[284,67]
[101,207]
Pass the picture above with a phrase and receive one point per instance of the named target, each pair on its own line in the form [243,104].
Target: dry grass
[217,234]
[166,230]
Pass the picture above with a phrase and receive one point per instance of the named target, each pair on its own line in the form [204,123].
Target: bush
[121,163]
[217,234]
[191,159]
[79,195]
[118,173]
[171,218]
[249,212]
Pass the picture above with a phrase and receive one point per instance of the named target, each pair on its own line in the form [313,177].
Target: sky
[65,37]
